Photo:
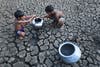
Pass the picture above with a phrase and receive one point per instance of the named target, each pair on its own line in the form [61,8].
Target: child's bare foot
[21,38]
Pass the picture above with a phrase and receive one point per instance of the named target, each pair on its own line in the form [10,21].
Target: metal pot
[37,22]
[69,52]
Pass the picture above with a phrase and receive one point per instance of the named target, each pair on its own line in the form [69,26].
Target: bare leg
[22,34]
[60,22]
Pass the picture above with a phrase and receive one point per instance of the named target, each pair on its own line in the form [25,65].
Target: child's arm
[59,14]
[24,21]
[27,21]
[46,16]
[28,17]
[34,16]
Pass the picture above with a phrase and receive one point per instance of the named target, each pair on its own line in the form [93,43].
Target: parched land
[40,47]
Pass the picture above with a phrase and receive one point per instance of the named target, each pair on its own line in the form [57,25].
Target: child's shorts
[60,19]
[18,32]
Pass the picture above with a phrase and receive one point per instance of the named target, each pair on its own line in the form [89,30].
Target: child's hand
[33,16]
[41,16]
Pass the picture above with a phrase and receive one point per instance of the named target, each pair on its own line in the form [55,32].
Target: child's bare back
[56,15]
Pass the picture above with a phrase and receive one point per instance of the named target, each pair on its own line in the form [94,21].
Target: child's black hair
[18,14]
[49,8]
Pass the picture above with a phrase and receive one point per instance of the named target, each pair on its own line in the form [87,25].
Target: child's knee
[60,24]
[62,20]
[22,33]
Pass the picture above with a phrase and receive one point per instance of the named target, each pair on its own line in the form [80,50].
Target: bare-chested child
[21,20]
[56,15]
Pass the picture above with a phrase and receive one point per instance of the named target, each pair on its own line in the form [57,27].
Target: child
[56,15]
[21,20]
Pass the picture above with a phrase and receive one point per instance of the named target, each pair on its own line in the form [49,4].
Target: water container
[37,22]
[69,52]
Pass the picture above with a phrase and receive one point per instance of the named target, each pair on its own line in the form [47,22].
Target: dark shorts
[17,32]
[55,20]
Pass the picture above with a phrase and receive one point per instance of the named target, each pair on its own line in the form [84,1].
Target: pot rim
[61,47]
[33,21]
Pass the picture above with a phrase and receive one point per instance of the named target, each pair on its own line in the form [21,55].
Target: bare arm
[59,14]
[26,21]
[28,17]
[34,16]
[46,16]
